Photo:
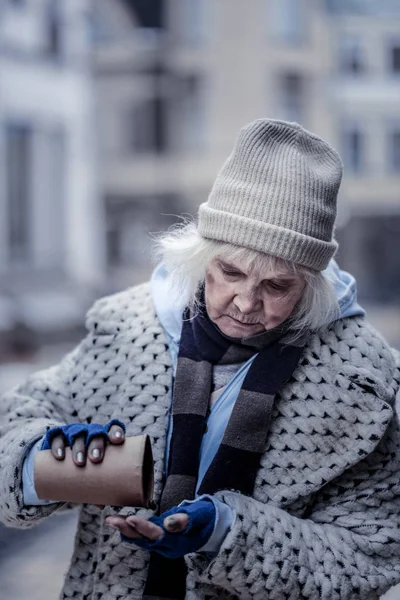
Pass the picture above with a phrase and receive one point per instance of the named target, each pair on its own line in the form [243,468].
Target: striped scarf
[236,462]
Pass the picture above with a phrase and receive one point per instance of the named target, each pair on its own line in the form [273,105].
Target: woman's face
[242,302]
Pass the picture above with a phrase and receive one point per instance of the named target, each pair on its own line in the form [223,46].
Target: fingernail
[172,523]
[95,453]
[60,452]
[113,525]
[130,522]
[79,457]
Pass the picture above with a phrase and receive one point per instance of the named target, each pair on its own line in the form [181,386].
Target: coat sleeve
[28,488]
[26,413]
[347,549]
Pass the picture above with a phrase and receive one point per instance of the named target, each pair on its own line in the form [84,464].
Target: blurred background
[115,117]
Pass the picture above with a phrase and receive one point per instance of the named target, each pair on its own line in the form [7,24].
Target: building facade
[365,92]
[51,243]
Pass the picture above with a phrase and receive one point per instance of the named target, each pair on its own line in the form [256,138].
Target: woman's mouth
[243,322]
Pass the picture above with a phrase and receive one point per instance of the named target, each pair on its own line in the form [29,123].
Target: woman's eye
[230,273]
[277,287]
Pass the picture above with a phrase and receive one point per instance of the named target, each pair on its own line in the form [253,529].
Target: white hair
[186,254]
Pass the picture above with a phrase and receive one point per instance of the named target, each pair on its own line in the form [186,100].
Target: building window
[149,13]
[53,35]
[394,150]
[351,55]
[395,59]
[370,249]
[129,221]
[190,120]
[286,18]
[114,255]
[50,247]
[122,215]
[291,97]
[194,21]
[353,149]
[18,156]
[147,128]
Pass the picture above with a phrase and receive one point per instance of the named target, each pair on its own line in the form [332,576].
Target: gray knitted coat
[324,519]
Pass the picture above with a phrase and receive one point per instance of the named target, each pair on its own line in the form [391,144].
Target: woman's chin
[233,328]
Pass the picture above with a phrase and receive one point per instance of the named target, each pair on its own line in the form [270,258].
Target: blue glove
[197,533]
[70,432]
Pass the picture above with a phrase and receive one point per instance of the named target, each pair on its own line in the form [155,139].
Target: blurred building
[176,79]
[51,243]
[151,128]
[365,93]
[116,115]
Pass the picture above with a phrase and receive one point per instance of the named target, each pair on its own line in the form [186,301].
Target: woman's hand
[135,528]
[85,440]
[178,531]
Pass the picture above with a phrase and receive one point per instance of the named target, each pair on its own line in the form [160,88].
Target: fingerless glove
[174,545]
[70,432]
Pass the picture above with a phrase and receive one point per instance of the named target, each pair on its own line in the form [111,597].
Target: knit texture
[276,193]
[323,521]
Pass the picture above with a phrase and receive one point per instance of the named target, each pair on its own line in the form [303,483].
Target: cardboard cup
[125,477]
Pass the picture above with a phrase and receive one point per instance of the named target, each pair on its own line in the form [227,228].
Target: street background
[115,117]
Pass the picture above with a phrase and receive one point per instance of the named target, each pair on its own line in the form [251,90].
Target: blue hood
[169,308]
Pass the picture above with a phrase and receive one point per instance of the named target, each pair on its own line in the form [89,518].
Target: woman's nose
[247,303]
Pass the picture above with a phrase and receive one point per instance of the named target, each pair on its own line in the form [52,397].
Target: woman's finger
[79,451]
[145,528]
[58,447]
[176,523]
[121,524]
[96,449]
[116,434]
[129,530]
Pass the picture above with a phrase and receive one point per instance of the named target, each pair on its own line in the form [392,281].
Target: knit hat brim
[265,237]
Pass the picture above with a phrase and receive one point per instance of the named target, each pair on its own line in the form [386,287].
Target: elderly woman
[268,398]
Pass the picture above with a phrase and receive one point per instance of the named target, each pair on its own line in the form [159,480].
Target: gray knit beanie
[276,193]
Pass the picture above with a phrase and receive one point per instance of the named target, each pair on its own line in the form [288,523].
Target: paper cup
[125,477]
